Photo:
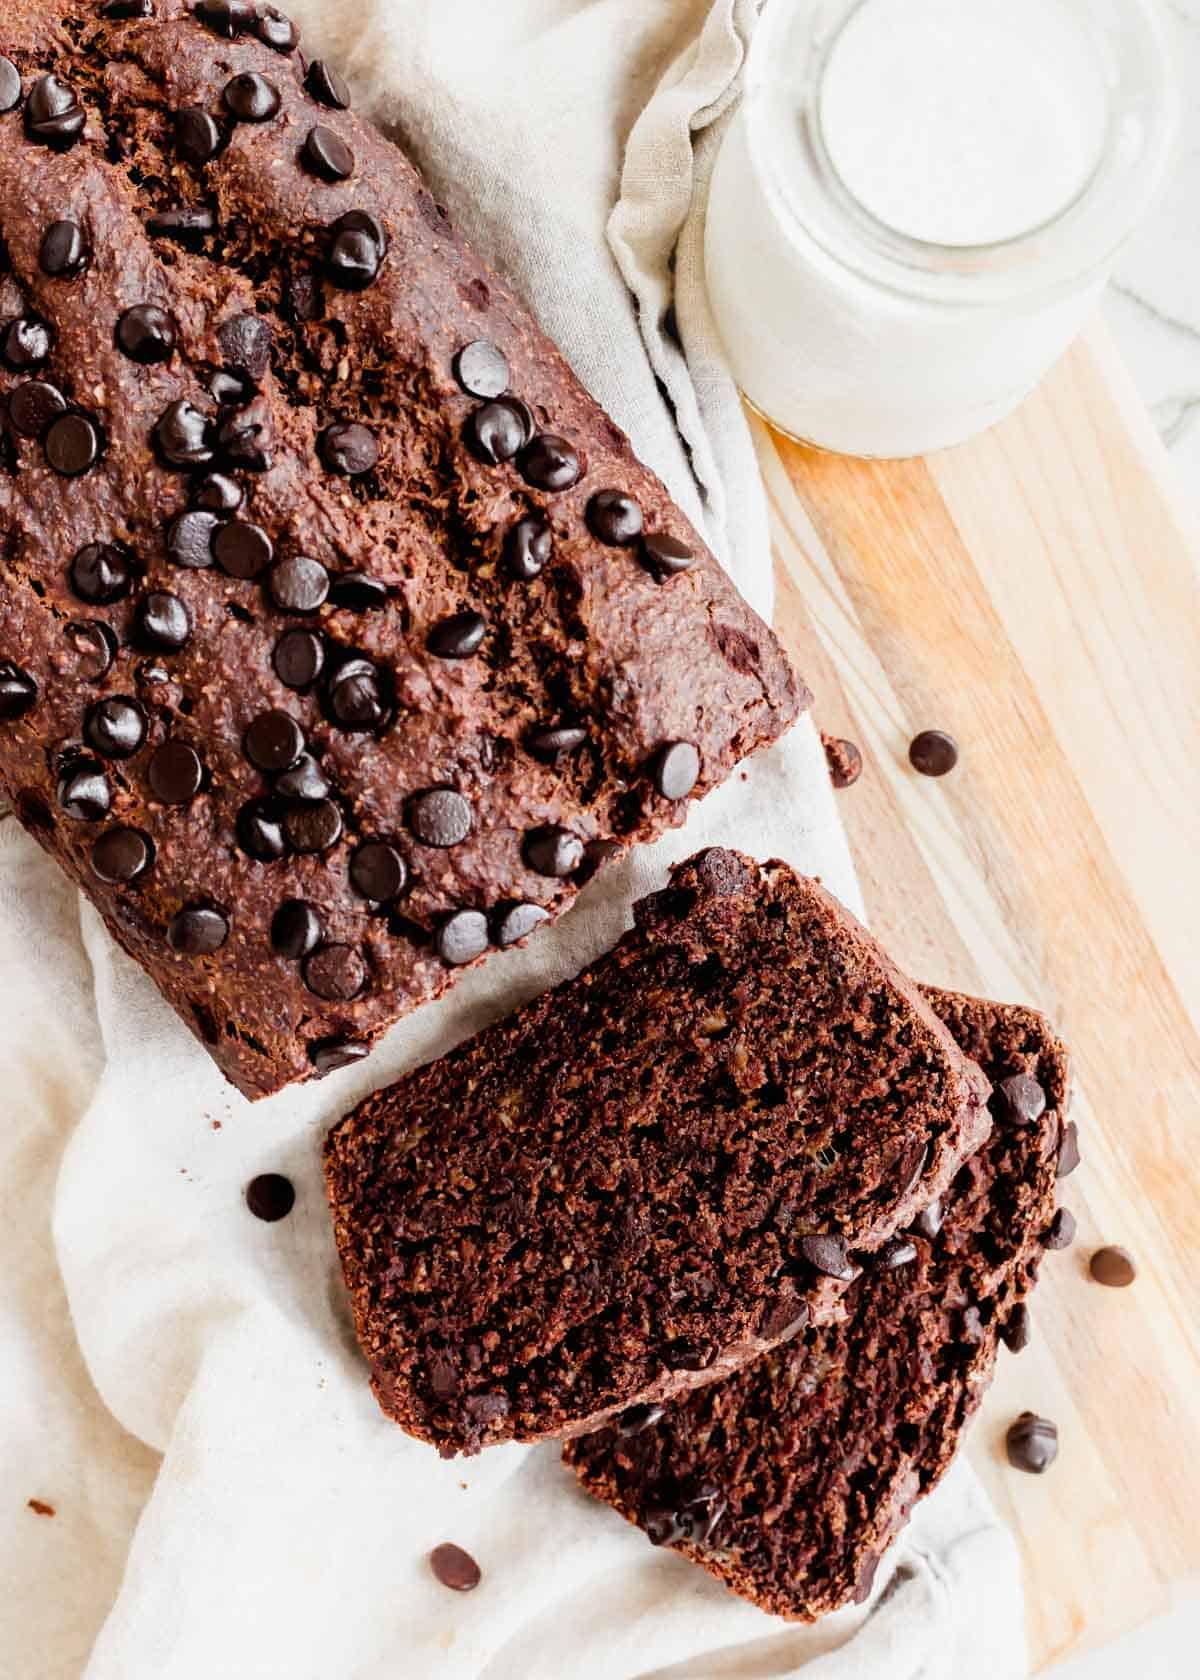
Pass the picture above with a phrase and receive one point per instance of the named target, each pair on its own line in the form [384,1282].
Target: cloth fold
[181,1379]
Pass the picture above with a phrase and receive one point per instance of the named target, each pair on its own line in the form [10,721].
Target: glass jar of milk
[919,200]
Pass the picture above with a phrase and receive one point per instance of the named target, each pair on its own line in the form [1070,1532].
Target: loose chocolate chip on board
[462,937]
[327,86]
[517,922]
[1021,1099]
[933,753]
[676,770]
[482,369]
[326,154]
[440,817]
[550,463]
[1113,1266]
[454,1568]
[72,445]
[83,790]
[122,855]
[844,760]
[614,518]
[175,772]
[146,334]
[18,691]
[527,548]
[553,851]
[378,872]
[1015,1334]
[336,973]
[665,555]
[63,253]
[10,85]
[251,98]
[26,344]
[197,930]
[457,637]
[1061,1233]
[1032,1443]
[270,1196]
[295,929]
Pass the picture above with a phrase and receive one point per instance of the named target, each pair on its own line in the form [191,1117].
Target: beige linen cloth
[179,1380]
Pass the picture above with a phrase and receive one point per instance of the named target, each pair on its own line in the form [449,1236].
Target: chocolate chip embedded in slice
[10,85]
[551,463]
[462,937]
[482,369]
[893,1254]
[687,1513]
[295,929]
[216,493]
[187,224]
[273,741]
[181,436]
[34,406]
[228,17]
[175,773]
[313,826]
[197,137]
[516,922]
[298,584]
[614,518]
[378,872]
[63,253]
[454,1568]
[146,334]
[197,931]
[53,114]
[73,445]
[276,30]
[553,851]
[260,831]
[933,753]
[26,343]
[440,817]
[635,1419]
[1032,1443]
[18,691]
[550,746]
[83,790]
[676,769]
[1015,1332]
[1021,1100]
[123,9]
[349,449]
[246,341]
[356,696]
[495,433]
[190,539]
[828,1254]
[95,647]
[299,658]
[358,591]
[1068,1150]
[326,154]
[242,550]
[930,1219]
[327,1055]
[303,780]
[336,973]
[665,555]
[244,435]
[527,548]
[102,573]
[1113,1266]
[1061,1232]
[327,86]
[115,727]
[357,247]
[163,621]
[251,98]
[270,1197]
[121,855]
[457,637]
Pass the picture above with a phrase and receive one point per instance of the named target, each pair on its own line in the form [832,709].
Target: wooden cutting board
[1035,593]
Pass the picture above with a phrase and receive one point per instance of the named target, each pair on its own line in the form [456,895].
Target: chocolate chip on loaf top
[343,634]
[652,1174]
[789,1481]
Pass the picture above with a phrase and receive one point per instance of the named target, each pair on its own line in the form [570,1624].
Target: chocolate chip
[1015,1333]
[552,851]
[101,573]
[1068,1151]
[357,591]
[517,922]
[121,855]
[523,413]
[231,390]
[930,1220]
[242,550]
[53,114]
[357,246]
[828,1254]
[462,937]
[355,696]
[349,449]
[270,1196]
[10,85]
[1061,1230]
[260,831]
[894,1253]
[94,645]
[72,445]
[197,930]
[182,436]
[324,84]
[175,772]
[251,98]
[246,341]
[440,817]
[127,9]
[551,745]
[186,223]
[527,548]
[457,637]
[295,929]
[335,972]
[146,334]
[26,343]
[302,296]
[273,741]
[228,17]
[495,433]
[676,769]
[637,1418]
[1022,1100]
[215,493]
[83,790]
[326,154]
[243,435]
[276,30]
[313,826]
[614,518]
[690,1513]
[190,539]
[933,753]
[454,1568]
[481,369]
[1113,1266]
[1032,1443]
[843,760]
[303,780]
[298,585]
[378,871]
[298,658]
[18,691]
[197,137]
[63,252]
[664,555]
[327,1055]
[33,407]
[115,727]
[551,463]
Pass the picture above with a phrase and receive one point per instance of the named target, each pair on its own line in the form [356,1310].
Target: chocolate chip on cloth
[270,418]
[821,1447]
[617,1084]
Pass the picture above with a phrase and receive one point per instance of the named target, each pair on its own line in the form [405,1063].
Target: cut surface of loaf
[343,634]
[651,1174]
[789,1481]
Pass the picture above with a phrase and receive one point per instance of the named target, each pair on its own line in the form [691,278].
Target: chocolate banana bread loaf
[789,1481]
[652,1174]
[342,634]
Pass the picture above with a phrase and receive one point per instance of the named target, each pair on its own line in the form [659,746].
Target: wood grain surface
[1035,593]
